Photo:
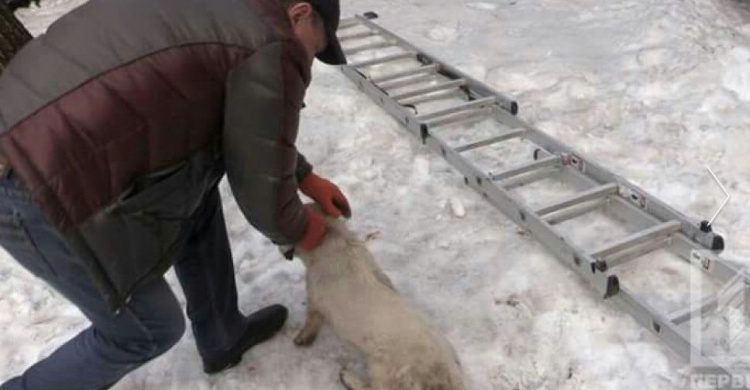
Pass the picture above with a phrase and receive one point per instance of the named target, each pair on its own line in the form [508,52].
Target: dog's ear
[287,251]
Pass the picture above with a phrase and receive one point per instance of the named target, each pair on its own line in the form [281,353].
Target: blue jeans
[149,324]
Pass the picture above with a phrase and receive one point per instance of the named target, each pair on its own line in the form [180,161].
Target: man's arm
[303,168]
[264,96]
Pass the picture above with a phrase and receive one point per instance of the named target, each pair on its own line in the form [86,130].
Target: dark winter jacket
[125,114]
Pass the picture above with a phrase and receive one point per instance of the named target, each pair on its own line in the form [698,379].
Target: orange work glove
[326,194]
[315,232]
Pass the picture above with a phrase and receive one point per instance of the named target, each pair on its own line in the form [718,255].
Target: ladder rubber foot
[370,15]
[613,286]
[514,108]
[718,244]
[423,60]
[424,132]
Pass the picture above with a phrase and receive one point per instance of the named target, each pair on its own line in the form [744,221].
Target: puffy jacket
[125,114]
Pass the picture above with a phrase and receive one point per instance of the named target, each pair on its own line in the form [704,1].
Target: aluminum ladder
[399,77]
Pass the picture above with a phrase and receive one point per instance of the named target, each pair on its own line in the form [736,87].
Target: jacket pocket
[161,194]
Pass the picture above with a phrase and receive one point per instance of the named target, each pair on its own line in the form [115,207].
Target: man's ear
[300,11]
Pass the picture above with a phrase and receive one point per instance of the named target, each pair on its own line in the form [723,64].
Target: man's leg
[206,274]
[115,344]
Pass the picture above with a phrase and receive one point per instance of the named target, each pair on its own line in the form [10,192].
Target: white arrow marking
[724,190]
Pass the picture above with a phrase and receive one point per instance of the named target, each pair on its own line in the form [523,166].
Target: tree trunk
[13,35]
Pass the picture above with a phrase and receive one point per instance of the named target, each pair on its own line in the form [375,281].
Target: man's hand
[316,230]
[326,194]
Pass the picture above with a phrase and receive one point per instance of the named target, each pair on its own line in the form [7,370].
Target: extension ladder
[430,98]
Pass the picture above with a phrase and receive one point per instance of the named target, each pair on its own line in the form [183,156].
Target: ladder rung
[623,257]
[347,23]
[528,167]
[461,107]
[382,60]
[432,68]
[638,238]
[522,180]
[370,46]
[489,141]
[594,193]
[448,93]
[407,81]
[470,115]
[429,89]
[572,212]
[364,34]
[708,304]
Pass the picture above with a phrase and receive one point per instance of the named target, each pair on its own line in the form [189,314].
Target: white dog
[347,290]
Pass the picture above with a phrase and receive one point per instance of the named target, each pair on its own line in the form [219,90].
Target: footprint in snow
[444,34]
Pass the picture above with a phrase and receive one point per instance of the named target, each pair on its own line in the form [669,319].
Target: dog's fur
[347,290]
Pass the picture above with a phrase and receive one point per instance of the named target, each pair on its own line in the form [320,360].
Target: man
[115,128]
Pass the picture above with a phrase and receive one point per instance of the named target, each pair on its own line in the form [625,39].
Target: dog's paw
[304,339]
[351,381]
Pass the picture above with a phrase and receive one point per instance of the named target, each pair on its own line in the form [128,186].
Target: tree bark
[13,35]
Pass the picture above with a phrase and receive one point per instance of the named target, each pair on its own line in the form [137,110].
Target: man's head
[314,23]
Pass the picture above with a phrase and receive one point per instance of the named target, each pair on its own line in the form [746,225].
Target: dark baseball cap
[330,12]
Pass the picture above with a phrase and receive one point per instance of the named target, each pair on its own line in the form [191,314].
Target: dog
[348,291]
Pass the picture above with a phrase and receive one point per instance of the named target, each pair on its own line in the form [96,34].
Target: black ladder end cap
[718,243]
[370,15]
[423,59]
[514,108]
[706,227]
[424,132]
[613,286]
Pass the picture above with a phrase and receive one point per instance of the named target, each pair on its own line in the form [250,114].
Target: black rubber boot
[261,326]
[16,4]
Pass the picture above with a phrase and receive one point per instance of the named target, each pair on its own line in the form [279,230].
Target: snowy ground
[654,90]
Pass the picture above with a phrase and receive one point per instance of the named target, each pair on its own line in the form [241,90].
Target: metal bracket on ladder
[660,226]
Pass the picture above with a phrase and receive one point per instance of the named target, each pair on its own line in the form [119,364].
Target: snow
[653,90]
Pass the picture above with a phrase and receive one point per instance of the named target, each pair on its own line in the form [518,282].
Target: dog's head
[338,238]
